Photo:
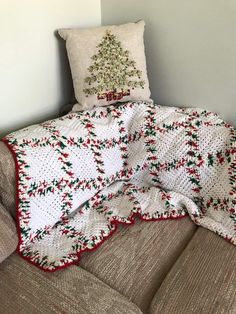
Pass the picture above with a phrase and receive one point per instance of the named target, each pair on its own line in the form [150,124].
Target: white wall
[190,47]
[34,72]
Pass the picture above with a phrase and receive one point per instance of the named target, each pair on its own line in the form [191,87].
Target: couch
[162,267]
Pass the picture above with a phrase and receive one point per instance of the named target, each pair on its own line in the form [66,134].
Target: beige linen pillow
[108,64]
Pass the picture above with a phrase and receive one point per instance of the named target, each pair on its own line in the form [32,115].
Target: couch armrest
[8,234]
[7,180]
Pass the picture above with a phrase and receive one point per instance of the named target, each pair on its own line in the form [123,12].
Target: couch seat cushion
[26,289]
[136,259]
[203,280]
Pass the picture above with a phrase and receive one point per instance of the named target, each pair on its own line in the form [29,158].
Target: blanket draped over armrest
[82,174]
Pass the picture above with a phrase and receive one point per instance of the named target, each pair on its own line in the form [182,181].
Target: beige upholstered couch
[150,267]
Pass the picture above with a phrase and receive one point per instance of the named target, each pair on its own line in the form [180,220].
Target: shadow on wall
[65,87]
[19,126]
[66,83]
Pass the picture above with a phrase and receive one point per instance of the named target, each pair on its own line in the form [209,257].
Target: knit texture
[82,174]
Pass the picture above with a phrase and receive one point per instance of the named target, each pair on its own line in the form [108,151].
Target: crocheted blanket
[82,174]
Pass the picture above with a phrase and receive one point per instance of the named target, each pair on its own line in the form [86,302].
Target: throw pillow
[108,64]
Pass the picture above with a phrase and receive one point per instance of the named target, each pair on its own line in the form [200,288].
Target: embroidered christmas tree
[112,73]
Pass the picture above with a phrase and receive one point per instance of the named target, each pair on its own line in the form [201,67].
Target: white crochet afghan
[80,175]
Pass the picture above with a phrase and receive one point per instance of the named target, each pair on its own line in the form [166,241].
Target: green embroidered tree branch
[112,70]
